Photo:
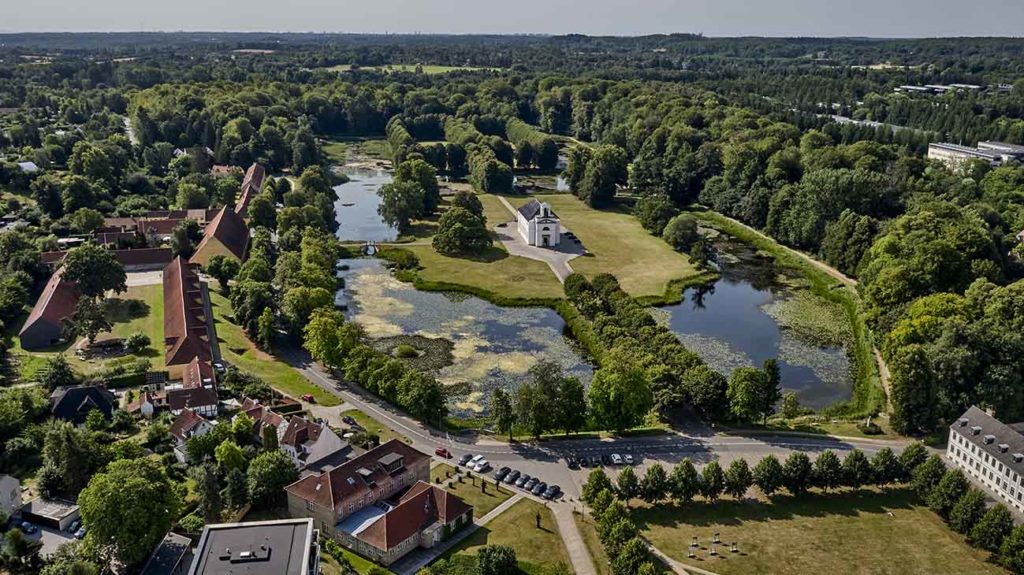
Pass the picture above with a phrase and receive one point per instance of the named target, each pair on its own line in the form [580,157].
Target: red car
[309,397]
[442,452]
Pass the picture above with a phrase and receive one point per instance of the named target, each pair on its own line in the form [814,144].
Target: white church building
[538,225]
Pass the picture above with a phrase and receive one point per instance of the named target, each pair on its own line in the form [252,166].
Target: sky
[876,18]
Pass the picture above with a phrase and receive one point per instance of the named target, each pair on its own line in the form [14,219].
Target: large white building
[991,453]
[995,153]
[538,225]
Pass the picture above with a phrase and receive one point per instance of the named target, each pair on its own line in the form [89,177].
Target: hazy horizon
[714,18]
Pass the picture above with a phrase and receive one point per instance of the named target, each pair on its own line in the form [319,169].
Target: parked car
[512,476]
[465,459]
[605,460]
[573,462]
[529,485]
[523,480]
[616,459]
[481,466]
[552,492]
[349,420]
[308,397]
[28,527]
[80,533]
[628,457]
[501,473]
[539,488]
[442,452]
[74,526]
[584,462]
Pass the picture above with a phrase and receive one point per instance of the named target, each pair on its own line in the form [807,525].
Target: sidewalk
[582,562]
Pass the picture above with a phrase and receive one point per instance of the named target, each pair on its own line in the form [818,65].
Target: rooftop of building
[1002,441]
[281,547]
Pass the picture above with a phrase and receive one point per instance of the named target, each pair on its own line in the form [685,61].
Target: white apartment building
[991,453]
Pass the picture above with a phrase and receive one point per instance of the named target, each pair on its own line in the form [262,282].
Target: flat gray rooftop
[257,548]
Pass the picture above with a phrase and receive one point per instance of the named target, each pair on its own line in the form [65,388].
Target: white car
[616,459]
[481,466]
[628,458]
[474,460]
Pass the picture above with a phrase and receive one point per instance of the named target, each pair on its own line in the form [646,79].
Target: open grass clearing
[644,264]
[482,502]
[536,548]
[441,471]
[493,271]
[139,309]
[236,348]
[846,532]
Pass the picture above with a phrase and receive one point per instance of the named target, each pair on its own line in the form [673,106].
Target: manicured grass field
[483,503]
[516,527]
[644,265]
[439,471]
[148,319]
[373,426]
[236,348]
[848,532]
[495,271]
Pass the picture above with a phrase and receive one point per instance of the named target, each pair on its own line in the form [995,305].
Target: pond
[753,313]
[492,346]
[356,207]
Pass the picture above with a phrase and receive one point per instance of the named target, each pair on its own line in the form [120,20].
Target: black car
[501,473]
[512,476]
[522,480]
[529,485]
[349,420]
[606,460]
[573,462]
[552,492]
[465,459]
[539,488]
[584,462]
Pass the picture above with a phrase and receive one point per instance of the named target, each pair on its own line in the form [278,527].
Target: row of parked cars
[578,461]
[508,475]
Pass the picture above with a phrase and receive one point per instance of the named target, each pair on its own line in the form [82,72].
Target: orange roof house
[225,235]
[45,324]
[251,186]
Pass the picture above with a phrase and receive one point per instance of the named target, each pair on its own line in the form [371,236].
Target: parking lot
[50,538]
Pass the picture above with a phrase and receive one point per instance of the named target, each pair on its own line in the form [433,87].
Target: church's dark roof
[530,210]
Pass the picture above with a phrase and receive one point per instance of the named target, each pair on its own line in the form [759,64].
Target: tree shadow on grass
[487,256]
[125,310]
[849,503]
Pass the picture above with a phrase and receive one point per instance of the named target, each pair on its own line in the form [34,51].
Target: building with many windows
[991,453]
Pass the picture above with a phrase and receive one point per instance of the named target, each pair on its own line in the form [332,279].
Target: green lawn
[483,503]
[848,532]
[494,271]
[144,313]
[516,527]
[336,152]
[236,348]
[439,471]
[373,426]
[644,265]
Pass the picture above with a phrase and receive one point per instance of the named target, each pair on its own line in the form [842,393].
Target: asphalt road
[547,459]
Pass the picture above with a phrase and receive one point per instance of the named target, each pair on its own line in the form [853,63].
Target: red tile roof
[251,186]
[299,431]
[229,228]
[421,506]
[330,488]
[55,304]
[185,333]
[192,398]
[186,421]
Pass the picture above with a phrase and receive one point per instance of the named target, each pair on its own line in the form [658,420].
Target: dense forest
[119,124]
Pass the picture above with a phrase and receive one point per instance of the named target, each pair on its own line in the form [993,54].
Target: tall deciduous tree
[94,270]
[620,397]
[503,412]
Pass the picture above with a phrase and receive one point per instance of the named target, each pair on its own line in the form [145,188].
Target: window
[309,506]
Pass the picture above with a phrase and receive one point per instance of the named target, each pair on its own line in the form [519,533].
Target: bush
[136,342]
[406,351]
[399,258]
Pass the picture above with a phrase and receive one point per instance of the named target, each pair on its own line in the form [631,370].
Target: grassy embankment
[868,395]
[850,531]
[236,348]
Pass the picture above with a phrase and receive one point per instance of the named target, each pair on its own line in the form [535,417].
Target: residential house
[262,416]
[10,495]
[313,445]
[202,400]
[147,403]
[187,425]
[281,547]
[45,325]
[252,183]
[74,403]
[538,225]
[225,235]
[991,454]
[351,503]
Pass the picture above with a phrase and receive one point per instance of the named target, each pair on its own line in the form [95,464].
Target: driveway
[144,278]
[50,538]
[557,258]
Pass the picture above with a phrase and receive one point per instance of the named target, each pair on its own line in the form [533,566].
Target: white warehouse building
[991,453]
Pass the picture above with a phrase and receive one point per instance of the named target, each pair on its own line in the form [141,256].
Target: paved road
[547,459]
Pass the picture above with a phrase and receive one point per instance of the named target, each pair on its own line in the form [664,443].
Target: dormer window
[976,430]
[1003,448]
[963,422]
[989,439]
[1018,457]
